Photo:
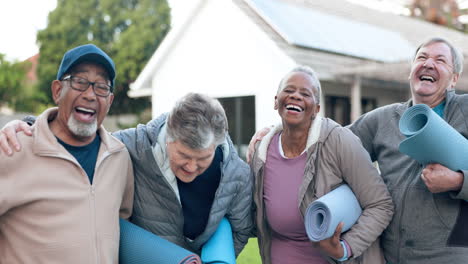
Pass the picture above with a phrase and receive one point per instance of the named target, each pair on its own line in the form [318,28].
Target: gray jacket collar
[159,150]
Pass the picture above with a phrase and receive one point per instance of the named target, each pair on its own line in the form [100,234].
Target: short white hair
[313,77]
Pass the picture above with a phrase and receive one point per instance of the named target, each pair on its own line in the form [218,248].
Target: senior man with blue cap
[61,196]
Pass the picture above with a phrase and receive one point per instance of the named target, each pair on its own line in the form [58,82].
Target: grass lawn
[249,254]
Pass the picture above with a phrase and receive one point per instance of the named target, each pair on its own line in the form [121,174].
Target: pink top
[283,177]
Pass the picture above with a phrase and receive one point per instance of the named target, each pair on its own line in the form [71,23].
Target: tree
[442,12]
[12,76]
[128,30]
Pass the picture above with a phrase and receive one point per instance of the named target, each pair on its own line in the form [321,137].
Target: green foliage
[12,75]
[29,100]
[14,91]
[128,30]
[249,254]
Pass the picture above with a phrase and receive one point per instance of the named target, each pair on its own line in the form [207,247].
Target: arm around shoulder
[5,185]
[10,175]
[126,206]
[368,126]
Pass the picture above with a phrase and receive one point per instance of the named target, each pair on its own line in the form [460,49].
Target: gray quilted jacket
[156,205]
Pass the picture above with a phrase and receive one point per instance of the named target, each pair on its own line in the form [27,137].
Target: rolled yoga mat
[324,214]
[138,246]
[219,249]
[432,140]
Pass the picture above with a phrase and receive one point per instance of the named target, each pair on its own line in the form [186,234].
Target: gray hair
[197,121]
[313,77]
[457,56]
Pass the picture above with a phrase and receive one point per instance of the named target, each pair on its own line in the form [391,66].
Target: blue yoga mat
[432,140]
[138,246]
[324,214]
[219,249]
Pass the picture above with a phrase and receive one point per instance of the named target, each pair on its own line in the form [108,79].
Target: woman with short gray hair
[188,175]
[197,131]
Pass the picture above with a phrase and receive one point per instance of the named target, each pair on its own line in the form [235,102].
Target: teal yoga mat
[138,246]
[324,214]
[219,249]
[432,140]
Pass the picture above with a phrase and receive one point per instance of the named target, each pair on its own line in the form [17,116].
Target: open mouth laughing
[85,114]
[427,78]
[295,108]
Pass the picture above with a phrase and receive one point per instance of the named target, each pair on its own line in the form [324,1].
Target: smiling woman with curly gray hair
[303,158]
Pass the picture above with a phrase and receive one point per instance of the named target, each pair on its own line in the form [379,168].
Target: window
[240,112]
[338,108]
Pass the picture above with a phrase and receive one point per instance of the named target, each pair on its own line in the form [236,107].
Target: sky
[21,19]
[19,22]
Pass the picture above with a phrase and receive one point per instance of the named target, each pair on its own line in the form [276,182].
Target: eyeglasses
[81,84]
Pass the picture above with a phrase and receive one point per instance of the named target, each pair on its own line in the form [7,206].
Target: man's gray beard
[81,129]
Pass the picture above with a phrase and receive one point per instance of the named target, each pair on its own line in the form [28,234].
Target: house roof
[341,66]
[328,61]
[304,27]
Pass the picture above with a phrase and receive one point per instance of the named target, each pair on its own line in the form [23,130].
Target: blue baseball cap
[86,53]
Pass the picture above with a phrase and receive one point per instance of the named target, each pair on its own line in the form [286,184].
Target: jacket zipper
[93,222]
[181,213]
[402,214]
[222,169]
[217,191]
[92,200]
[92,191]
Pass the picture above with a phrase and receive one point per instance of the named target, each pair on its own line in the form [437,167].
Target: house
[31,75]
[237,51]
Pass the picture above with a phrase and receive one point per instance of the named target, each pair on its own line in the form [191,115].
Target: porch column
[238,123]
[356,107]
[322,104]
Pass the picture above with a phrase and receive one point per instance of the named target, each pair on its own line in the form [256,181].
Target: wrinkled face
[81,113]
[187,163]
[432,71]
[296,102]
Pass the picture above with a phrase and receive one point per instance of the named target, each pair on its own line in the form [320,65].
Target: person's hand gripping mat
[324,214]
[432,140]
[219,249]
[138,246]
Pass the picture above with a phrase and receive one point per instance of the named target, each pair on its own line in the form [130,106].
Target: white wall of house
[222,53]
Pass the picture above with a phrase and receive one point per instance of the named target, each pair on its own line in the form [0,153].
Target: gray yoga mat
[324,214]
[432,140]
